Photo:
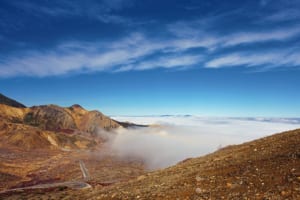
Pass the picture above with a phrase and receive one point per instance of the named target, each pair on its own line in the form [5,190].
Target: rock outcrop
[53,117]
[49,117]
[50,126]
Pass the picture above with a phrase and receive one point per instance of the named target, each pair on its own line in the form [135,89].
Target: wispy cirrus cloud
[200,34]
[126,54]
[252,59]
[135,52]
[263,36]
[271,57]
[280,11]
[283,15]
[178,44]
[164,62]
[206,38]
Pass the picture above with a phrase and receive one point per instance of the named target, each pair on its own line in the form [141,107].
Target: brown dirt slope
[12,114]
[28,138]
[268,168]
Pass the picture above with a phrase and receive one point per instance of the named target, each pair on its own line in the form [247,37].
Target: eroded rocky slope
[46,144]
[51,126]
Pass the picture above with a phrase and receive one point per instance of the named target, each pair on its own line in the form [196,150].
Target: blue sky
[130,57]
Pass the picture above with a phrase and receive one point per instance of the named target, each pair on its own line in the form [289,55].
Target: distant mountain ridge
[53,117]
[51,126]
[10,102]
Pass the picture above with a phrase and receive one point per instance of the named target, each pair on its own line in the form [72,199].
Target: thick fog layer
[175,138]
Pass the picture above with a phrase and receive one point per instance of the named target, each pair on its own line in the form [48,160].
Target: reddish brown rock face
[45,144]
[52,117]
[51,126]
[49,117]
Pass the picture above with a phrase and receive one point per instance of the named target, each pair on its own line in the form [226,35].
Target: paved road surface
[69,184]
[85,172]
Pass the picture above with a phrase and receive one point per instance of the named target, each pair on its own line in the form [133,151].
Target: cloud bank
[176,138]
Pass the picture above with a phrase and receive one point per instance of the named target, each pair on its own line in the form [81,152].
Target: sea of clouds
[174,138]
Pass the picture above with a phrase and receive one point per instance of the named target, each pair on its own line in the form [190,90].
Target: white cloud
[268,59]
[164,62]
[254,37]
[199,39]
[206,42]
[108,56]
[196,34]
[178,137]
[240,59]
[136,52]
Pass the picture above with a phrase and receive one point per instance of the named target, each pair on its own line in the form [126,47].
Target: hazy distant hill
[10,102]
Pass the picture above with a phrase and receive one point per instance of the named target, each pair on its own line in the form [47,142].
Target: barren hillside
[51,126]
[50,144]
[268,168]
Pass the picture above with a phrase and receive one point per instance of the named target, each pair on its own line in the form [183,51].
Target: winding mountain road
[84,170]
[69,184]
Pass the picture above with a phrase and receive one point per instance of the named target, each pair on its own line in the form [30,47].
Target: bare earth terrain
[50,152]
[263,169]
[49,147]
